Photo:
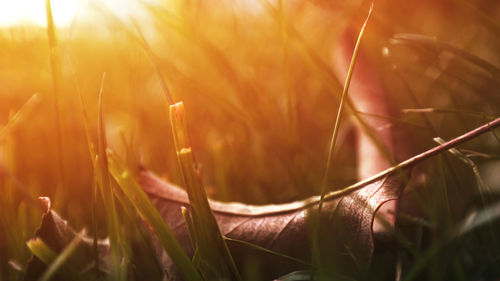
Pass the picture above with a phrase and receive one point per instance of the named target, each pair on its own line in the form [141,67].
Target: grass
[49,256]
[260,97]
[141,202]
[214,258]
[36,246]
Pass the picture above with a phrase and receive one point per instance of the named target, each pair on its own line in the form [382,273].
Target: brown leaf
[57,234]
[346,225]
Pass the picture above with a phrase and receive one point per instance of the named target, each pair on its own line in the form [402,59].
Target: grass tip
[177,108]
[185,150]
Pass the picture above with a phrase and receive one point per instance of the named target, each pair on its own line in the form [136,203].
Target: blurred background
[256,80]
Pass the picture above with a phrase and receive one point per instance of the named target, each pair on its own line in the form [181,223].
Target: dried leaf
[282,228]
[56,234]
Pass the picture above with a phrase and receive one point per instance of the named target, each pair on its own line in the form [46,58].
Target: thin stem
[419,158]
[56,77]
[341,111]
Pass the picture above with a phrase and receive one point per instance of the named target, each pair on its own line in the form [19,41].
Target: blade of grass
[216,259]
[394,120]
[450,110]
[406,38]
[95,186]
[473,221]
[321,69]
[95,165]
[416,102]
[212,248]
[483,187]
[49,257]
[337,122]
[141,202]
[189,223]
[433,132]
[217,56]
[140,250]
[84,114]
[174,24]
[106,191]
[55,65]
[61,259]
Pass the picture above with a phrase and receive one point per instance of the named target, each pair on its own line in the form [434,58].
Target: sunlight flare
[32,12]
[22,12]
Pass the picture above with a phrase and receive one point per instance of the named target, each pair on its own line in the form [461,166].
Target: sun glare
[18,12]
[32,12]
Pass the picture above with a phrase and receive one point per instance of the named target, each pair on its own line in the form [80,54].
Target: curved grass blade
[141,202]
[106,190]
[476,114]
[418,39]
[49,257]
[320,68]
[59,261]
[55,65]
[216,259]
[483,187]
[334,139]
[471,223]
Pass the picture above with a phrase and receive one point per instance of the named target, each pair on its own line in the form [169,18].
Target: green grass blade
[85,118]
[55,65]
[316,256]
[106,190]
[59,261]
[189,223]
[476,114]
[482,187]
[341,111]
[141,202]
[94,159]
[321,69]
[216,259]
[418,39]
[211,246]
[50,257]
[472,222]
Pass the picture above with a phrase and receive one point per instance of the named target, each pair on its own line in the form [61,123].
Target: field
[260,85]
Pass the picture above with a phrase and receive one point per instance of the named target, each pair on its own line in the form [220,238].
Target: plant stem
[420,157]
[340,112]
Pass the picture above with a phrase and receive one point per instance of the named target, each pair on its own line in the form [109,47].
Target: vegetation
[85,108]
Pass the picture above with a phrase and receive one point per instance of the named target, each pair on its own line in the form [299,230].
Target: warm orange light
[20,12]
[32,12]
